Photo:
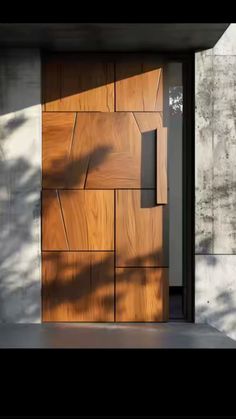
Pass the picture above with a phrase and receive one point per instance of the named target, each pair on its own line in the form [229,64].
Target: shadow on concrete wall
[215,293]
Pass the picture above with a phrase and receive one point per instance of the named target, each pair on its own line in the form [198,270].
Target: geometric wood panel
[116,151]
[96,150]
[148,121]
[139,87]
[141,294]
[78,220]
[57,141]
[89,219]
[139,229]
[53,229]
[73,84]
[78,286]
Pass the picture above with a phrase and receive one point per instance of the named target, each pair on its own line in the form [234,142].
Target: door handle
[161,166]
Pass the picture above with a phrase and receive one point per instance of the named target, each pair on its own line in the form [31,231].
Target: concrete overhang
[168,37]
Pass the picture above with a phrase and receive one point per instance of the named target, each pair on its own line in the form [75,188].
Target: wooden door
[104,197]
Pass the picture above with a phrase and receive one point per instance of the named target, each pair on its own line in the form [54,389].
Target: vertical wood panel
[53,231]
[141,294]
[139,229]
[116,158]
[57,140]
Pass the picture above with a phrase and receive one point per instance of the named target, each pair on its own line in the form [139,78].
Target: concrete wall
[20,185]
[215,136]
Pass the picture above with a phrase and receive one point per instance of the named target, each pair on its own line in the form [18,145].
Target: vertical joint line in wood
[62,216]
[60,78]
[135,119]
[86,175]
[158,86]
[156,162]
[72,135]
[114,86]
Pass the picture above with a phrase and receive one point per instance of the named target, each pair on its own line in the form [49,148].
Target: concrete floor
[100,335]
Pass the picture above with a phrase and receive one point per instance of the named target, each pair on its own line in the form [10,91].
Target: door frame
[189,186]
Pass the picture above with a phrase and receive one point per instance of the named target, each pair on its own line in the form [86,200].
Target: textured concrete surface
[216,292]
[203,153]
[20,185]
[168,335]
[215,296]
[226,45]
[122,37]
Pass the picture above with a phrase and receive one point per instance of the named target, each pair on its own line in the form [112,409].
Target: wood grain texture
[73,84]
[162,184]
[98,151]
[116,158]
[89,219]
[139,229]
[139,87]
[53,231]
[141,294]
[78,286]
[90,153]
[149,121]
[56,144]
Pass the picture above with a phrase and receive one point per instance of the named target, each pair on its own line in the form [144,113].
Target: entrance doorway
[112,241]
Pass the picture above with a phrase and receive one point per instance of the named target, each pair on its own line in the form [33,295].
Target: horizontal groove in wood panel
[111,321]
[60,111]
[78,251]
[101,189]
[142,267]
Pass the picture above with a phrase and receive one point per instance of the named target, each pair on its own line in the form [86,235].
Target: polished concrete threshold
[105,335]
